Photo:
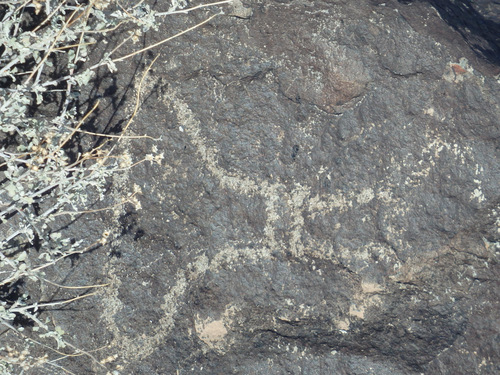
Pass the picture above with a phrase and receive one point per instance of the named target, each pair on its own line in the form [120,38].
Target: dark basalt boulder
[328,200]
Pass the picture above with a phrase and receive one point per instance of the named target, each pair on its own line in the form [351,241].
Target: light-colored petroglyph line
[136,348]
[298,203]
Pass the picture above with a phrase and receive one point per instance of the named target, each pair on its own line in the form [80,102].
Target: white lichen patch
[365,196]
[357,311]
[370,287]
[343,325]
[429,111]
[384,195]
[211,332]
[367,298]
[478,195]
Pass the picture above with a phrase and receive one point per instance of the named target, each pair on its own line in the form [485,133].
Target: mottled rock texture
[328,200]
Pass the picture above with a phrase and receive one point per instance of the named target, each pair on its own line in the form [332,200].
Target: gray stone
[327,202]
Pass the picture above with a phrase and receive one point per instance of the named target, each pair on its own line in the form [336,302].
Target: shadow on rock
[478,25]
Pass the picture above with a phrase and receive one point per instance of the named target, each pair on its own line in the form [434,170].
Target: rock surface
[328,200]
